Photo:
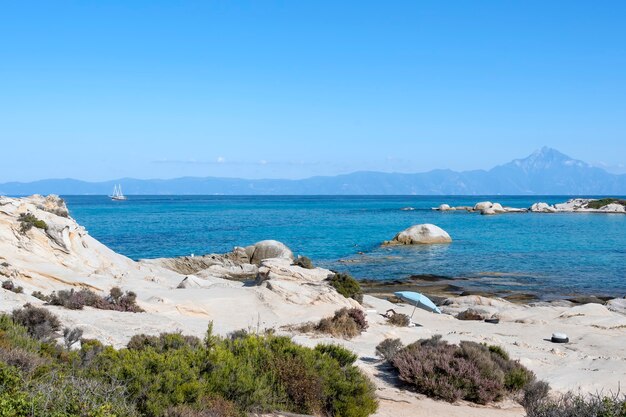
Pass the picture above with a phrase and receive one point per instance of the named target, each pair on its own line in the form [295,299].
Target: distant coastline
[544,172]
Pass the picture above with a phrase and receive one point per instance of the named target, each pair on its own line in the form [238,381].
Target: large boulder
[483,205]
[421,234]
[267,249]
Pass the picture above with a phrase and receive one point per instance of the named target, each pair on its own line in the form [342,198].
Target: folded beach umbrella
[418,300]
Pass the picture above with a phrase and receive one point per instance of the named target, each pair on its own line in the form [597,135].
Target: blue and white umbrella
[418,300]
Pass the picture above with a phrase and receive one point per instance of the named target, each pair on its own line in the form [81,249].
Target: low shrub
[71,336]
[346,286]
[9,285]
[388,348]
[41,296]
[163,342]
[578,405]
[347,322]
[28,220]
[339,353]
[470,314]
[39,322]
[76,300]
[469,371]
[399,319]
[304,262]
[21,359]
[210,407]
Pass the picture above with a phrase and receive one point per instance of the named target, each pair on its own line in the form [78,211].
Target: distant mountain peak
[546,158]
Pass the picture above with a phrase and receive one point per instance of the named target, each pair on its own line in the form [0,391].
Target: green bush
[346,286]
[339,353]
[28,220]
[175,375]
[597,204]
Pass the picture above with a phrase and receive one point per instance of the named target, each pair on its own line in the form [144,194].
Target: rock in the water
[483,205]
[420,234]
[614,208]
[488,211]
[542,208]
[445,207]
[497,207]
[267,249]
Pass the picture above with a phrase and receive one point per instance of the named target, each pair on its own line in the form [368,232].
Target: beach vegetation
[174,375]
[399,319]
[10,286]
[598,204]
[347,286]
[41,296]
[577,405]
[469,371]
[38,322]
[346,323]
[304,262]
[388,348]
[28,220]
[76,300]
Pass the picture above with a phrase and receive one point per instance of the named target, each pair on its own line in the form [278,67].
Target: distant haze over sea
[544,172]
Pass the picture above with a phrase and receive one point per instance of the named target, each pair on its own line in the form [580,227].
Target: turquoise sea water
[550,255]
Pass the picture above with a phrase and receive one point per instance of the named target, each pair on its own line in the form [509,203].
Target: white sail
[117,193]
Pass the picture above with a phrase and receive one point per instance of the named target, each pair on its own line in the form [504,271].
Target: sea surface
[549,255]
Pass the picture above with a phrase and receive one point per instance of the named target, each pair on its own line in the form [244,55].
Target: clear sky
[106,89]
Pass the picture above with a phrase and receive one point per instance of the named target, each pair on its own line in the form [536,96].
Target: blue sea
[550,255]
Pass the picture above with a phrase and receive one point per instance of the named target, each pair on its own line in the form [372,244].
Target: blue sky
[102,90]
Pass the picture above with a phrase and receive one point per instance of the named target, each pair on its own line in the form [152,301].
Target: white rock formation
[267,249]
[445,207]
[482,205]
[542,208]
[421,234]
[64,256]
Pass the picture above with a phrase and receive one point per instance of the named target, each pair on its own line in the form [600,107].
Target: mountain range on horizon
[544,172]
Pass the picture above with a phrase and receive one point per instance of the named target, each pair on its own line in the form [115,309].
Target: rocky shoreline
[575,205]
[264,286]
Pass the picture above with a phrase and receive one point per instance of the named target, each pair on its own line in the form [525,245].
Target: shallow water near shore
[548,255]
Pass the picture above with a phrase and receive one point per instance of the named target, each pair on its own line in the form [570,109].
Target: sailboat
[117,193]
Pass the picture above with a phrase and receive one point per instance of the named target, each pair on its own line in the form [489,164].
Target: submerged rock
[421,234]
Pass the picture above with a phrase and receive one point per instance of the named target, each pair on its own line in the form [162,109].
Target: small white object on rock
[559,338]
